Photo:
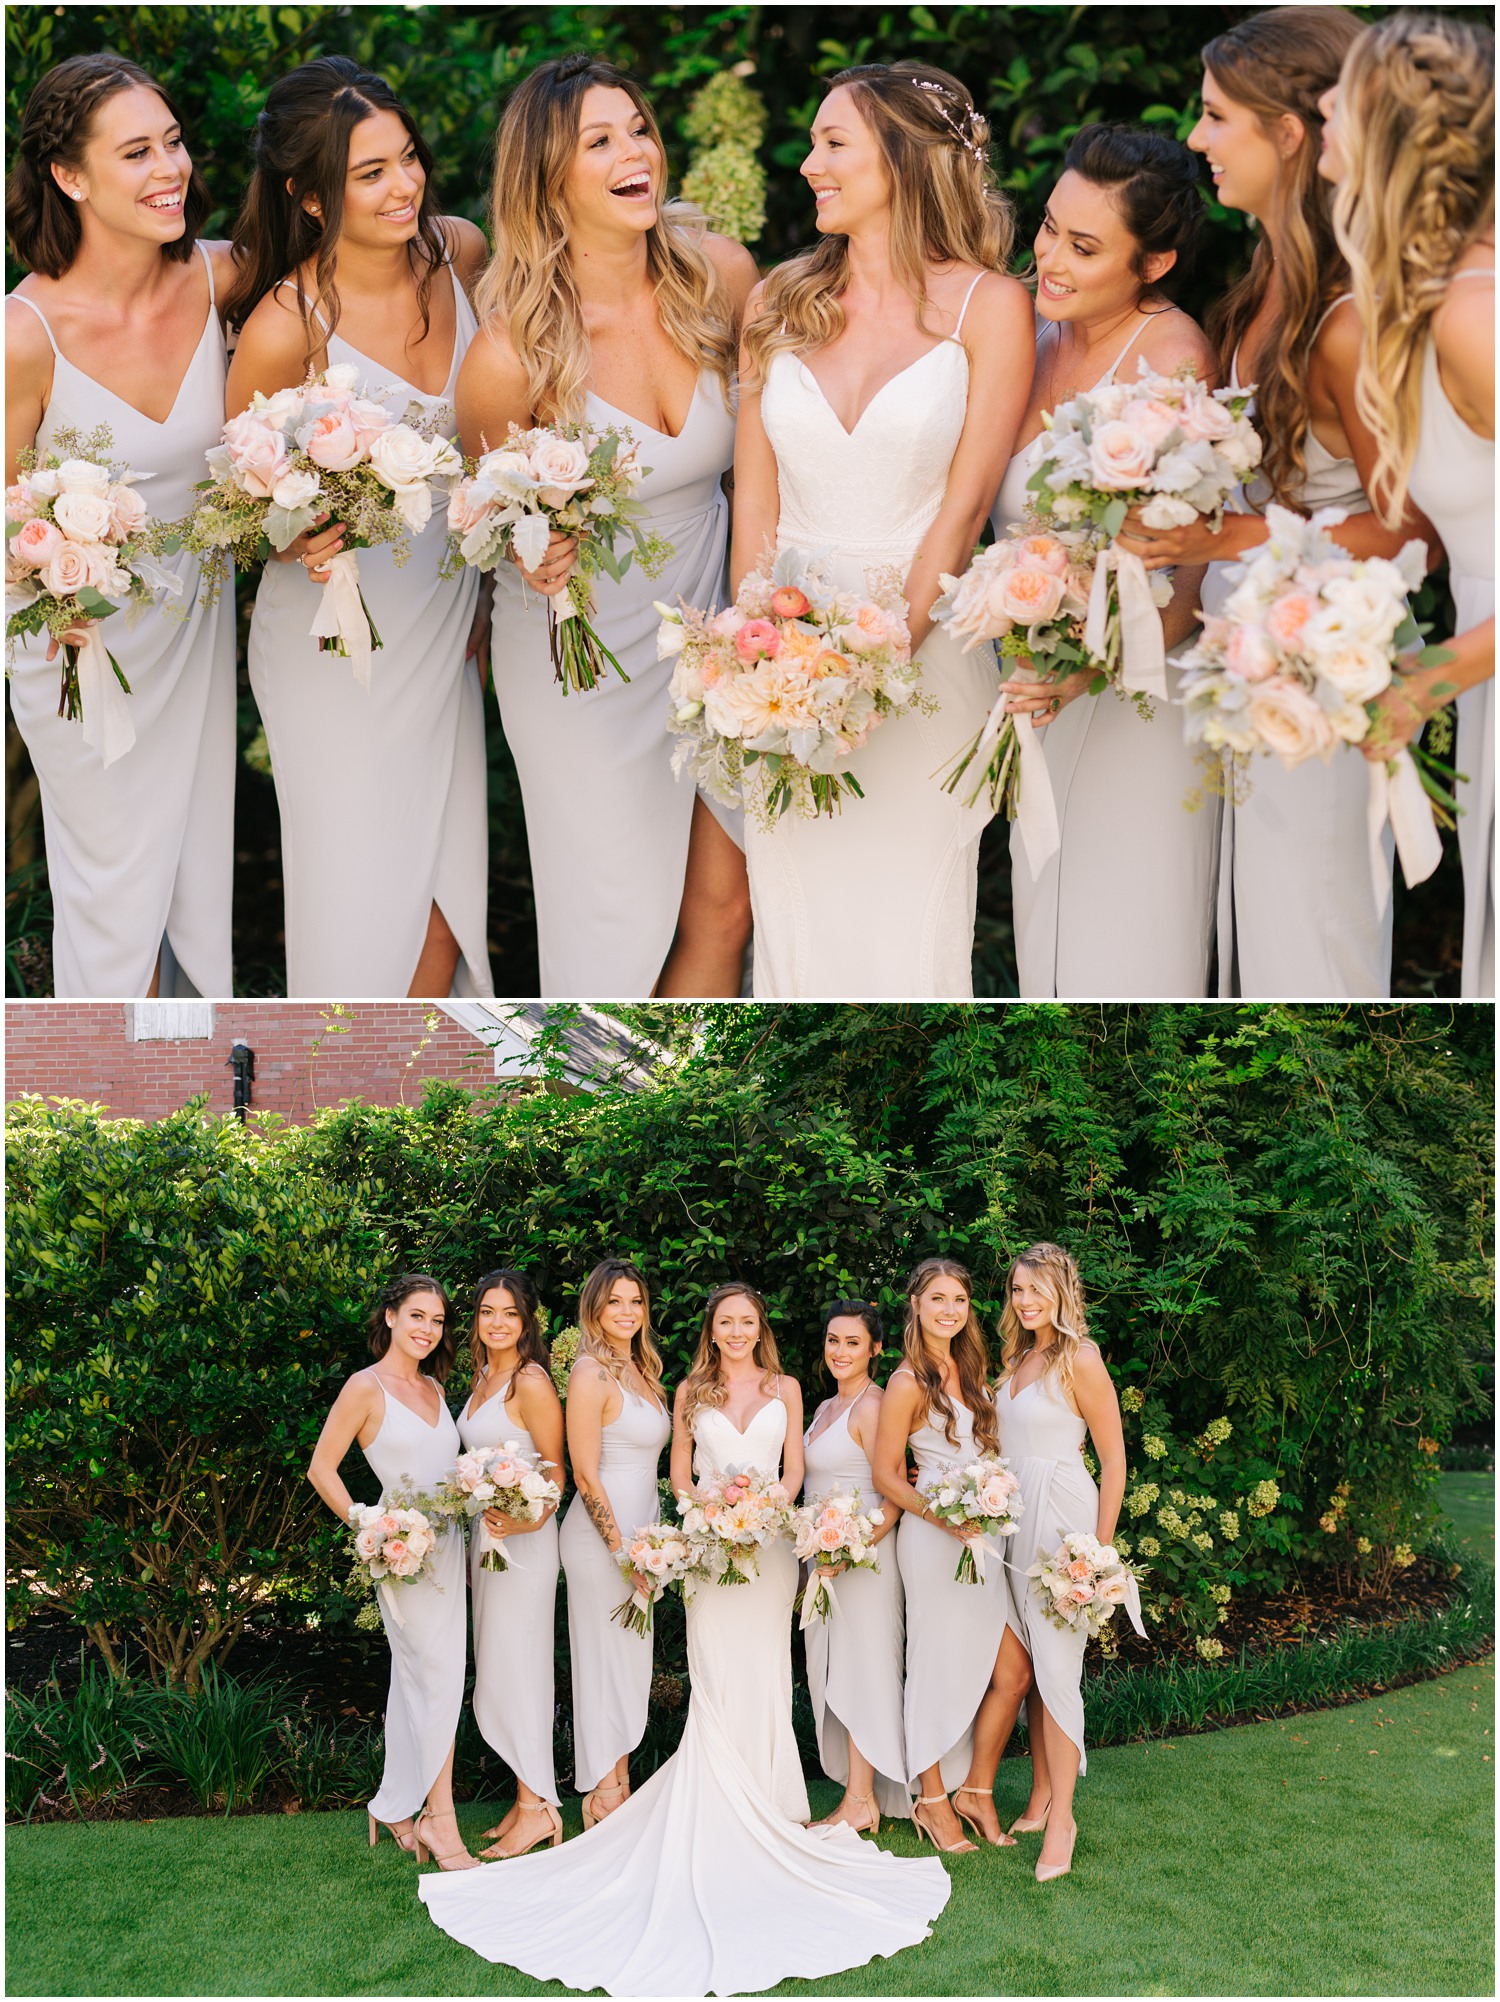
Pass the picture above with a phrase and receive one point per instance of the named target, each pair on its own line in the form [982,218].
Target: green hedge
[1282,1215]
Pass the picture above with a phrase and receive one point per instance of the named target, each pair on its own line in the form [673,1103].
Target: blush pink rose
[757,639]
[258,453]
[866,630]
[21,504]
[1287,618]
[1120,457]
[727,623]
[1290,723]
[66,569]
[331,441]
[36,544]
[467,507]
[1080,1595]
[1248,654]
[1203,419]
[127,510]
[369,420]
[787,602]
[830,1536]
[1152,420]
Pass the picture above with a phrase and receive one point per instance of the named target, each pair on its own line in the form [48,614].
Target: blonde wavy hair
[945,207]
[1057,1271]
[969,1350]
[529,286]
[592,1340]
[1417,127]
[704,1387]
[1275,63]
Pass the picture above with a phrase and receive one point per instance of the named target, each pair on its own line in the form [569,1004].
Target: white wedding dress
[878,902]
[705,1881]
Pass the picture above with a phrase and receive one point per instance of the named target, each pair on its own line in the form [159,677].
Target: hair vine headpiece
[960,133]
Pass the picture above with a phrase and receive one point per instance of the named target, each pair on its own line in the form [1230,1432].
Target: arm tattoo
[602,1517]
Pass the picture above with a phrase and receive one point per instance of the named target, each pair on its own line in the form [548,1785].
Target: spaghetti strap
[958,329]
[311,307]
[56,350]
[1109,374]
[1331,308]
[213,304]
[1487,272]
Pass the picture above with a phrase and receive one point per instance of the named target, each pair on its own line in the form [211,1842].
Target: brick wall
[382,1051]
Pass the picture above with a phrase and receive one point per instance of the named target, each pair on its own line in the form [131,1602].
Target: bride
[705,1880]
[884,377]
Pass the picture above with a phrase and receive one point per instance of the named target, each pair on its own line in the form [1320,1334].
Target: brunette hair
[1276,63]
[531,1348]
[529,286]
[704,1385]
[856,1310]
[40,221]
[302,149]
[1058,1271]
[945,207]
[1417,129]
[970,1353]
[438,1361]
[1157,190]
[592,1340]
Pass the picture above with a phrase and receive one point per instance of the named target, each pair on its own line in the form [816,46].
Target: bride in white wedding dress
[705,1881]
[884,377]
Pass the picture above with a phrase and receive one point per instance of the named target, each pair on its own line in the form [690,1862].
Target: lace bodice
[719,1445]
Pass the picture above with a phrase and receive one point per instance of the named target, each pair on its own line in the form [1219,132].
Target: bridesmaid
[1054,1391]
[856,1658]
[395,1409]
[604,302]
[117,323]
[345,259]
[1125,908]
[1413,148]
[966,1670]
[617,1426]
[1288,929]
[513,1403]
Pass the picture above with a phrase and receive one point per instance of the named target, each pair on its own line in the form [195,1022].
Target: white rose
[340,378]
[561,463]
[509,473]
[106,576]
[43,480]
[671,638]
[294,490]
[401,458]
[83,515]
[1357,669]
[81,476]
[1167,511]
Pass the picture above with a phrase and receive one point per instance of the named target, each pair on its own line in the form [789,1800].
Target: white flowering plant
[569,479]
[80,544]
[325,448]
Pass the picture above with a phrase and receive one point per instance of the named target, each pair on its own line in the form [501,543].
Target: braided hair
[42,224]
[1276,63]
[1417,128]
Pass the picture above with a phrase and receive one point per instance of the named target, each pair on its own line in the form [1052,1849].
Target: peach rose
[36,544]
[1290,723]
[1286,619]
[830,1536]
[66,569]
[1030,597]
[1043,552]
[867,630]
[1248,654]
[1120,457]
[331,441]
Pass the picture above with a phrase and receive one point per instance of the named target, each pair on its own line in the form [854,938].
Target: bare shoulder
[734,264]
[1174,337]
[999,309]
[274,325]
[225,265]
[362,1392]
[790,1392]
[466,246]
[1463,332]
[491,363]
[28,352]
[1089,1365]
[1337,345]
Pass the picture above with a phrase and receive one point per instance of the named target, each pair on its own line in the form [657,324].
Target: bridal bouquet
[320,448]
[1082,1583]
[1306,640]
[731,1521]
[1165,444]
[78,538]
[833,1529]
[508,1478]
[771,696]
[392,1542]
[572,480]
[663,1553]
[983,1492]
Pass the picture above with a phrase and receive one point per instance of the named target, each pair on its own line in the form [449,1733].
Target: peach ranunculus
[1248,654]
[828,663]
[257,452]
[787,602]
[34,545]
[1030,597]
[332,442]
[1290,723]
[66,569]
[757,639]
[1286,619]
[1120,457]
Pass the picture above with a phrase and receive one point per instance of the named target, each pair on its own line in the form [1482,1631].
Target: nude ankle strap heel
[972,1821]
[960,1848]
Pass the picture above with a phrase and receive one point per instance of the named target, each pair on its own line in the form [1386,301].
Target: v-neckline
[391,1398]
[160,423]
[655,430]
[889,382]
[742,1430]
[846,1414]
[380,367]
[472,1410]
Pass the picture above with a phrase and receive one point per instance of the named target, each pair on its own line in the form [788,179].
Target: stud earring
[74,195]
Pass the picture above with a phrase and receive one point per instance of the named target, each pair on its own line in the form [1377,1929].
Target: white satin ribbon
[340,615]
[1396,796]
[487,1543]
[107,724]
[1133,1603]
[1036,806]
[979,1545]
[810,1597]
[1143,654]
[386,1592]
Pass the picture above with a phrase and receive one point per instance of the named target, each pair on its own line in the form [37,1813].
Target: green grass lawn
[1345,1853]
[1468,1501]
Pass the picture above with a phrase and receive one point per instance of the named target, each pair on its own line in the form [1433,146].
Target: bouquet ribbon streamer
[1036,806]
[1396,796]
[388,1596]
[107,724]
[1133,1603]
[816,1578]
[340,615]
[1143,657]
[978,1545]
